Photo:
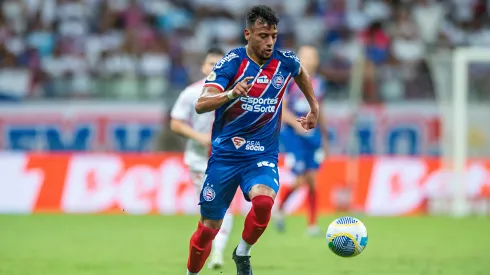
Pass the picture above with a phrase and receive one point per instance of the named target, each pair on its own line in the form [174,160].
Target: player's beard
[264,55]
[260,53]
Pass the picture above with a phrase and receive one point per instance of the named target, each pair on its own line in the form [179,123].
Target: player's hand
[204,139]
[241,89]
[308,122]
[298,128]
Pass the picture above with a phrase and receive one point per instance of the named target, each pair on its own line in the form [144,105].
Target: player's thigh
[260,178]
[298,161]
[298,181]
[310,178]
[313,158]
[297,156]
[289,140]
[219,187]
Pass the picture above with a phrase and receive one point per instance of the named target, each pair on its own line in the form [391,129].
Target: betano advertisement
[160,184]
[411,129]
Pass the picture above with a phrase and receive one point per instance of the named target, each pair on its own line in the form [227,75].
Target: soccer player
[245,90]
[305,149]
[197,128]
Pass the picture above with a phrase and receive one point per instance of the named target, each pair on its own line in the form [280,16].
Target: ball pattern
[347,237]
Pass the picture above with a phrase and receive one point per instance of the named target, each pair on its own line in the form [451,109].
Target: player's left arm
[304,83]
[289,118]
[322,121]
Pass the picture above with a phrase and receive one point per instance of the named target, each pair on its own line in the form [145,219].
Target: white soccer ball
[347,237]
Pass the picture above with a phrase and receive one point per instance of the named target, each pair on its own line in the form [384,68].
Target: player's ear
[246,33]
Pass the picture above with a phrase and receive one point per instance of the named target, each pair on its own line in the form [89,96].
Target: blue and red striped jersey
[248,128]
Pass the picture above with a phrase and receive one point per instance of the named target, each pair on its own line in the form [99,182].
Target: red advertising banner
[160,183]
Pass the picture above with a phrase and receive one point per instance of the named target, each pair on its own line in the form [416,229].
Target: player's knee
[213,224]
[204,235]
[310,179]
[262,190]
[311,185]
[300,179]
[262,206]
[311,190]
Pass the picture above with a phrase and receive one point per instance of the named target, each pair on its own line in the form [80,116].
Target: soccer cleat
[216,261]
[314,231]
[243,266]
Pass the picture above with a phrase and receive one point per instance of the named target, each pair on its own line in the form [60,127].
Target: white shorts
[198,180]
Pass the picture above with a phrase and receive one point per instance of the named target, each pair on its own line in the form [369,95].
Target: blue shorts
[303,153]
[222,180]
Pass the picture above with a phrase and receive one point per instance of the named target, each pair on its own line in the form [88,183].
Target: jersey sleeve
[183,107]
[292,62]
[223,72]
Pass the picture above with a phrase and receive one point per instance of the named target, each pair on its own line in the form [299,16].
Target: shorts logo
[238,142]
[208,193]
[278,81]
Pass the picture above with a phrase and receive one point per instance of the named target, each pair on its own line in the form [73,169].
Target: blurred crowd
[149,49]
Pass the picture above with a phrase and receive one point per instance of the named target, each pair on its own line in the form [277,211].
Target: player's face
[261,39]
[309,58]
[209,62]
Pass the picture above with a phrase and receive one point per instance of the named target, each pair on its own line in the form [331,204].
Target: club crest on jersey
[238,142]
[208,193]
[278,81]
[263,80]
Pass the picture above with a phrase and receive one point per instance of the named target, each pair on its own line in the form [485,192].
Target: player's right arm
[181,113]
[212,98]
[182,128]
[214,93]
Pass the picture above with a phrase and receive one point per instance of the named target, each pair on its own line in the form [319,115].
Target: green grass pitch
[151,245]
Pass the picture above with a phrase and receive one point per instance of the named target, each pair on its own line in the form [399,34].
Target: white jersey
[195,156]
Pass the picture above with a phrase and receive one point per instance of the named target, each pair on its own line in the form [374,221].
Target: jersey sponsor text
[226,58]
[254,146]
[259,104]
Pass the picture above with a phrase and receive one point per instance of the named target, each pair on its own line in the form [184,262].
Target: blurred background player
[197,128]
[305,150]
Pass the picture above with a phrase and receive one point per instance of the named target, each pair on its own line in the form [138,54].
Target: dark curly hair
[262,13]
